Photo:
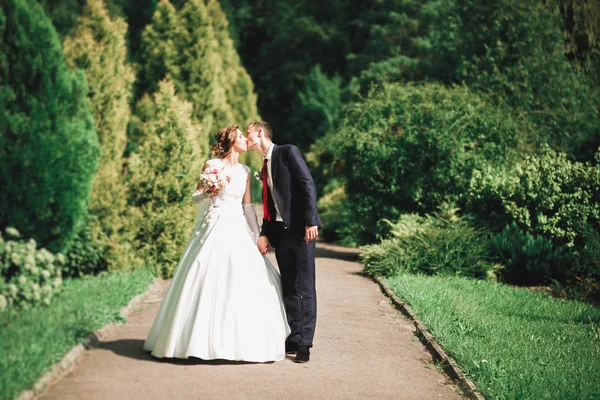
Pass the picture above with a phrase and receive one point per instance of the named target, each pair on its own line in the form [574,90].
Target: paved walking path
[363,349]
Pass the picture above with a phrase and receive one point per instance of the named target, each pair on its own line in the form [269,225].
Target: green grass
[33,340]
[513,343]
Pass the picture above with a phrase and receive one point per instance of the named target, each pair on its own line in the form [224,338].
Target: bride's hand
[263,245]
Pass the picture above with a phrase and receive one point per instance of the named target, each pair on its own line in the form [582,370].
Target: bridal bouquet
[213,180]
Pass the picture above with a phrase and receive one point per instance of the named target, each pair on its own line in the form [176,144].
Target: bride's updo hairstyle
[224,140]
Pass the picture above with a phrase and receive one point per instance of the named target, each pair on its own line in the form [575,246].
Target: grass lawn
[32,341]
[513,343]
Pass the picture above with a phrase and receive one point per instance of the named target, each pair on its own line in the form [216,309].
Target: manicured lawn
[32,341]
[513,343]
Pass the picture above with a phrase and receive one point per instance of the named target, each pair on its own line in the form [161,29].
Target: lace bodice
[238,174]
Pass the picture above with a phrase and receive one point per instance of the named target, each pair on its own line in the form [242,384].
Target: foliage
[434,245]
[192,48]
[545,194]
[98,47]
[552,207]
[526,259]
[582,33]
[33,340]
[512,342]
[48,147]
[28,274]
[413,148]
[85,256]
[63,13]
[161,179]
[515,51]
[335,217]
[319,107]
[282,42]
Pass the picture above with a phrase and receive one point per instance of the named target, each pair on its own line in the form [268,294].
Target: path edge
[72,358]
[449,366]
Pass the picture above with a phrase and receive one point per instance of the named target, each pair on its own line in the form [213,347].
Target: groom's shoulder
[289,149]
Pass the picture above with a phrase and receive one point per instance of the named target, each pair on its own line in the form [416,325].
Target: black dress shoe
[291,347]
[302,354]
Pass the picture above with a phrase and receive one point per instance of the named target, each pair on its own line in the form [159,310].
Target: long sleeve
[303,178]
[252,220]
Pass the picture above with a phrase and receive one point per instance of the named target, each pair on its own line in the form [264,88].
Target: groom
[290,225]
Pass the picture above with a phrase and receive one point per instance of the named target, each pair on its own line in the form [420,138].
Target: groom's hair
[264,126]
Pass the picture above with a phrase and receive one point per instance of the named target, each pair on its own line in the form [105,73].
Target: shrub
[549,208]
[85,256]
[413,148]
[335,217]
[515,50]
[433,245]
[162,177]
[527,259]
[28,274]
[48,147]
[546,194]
[98,47]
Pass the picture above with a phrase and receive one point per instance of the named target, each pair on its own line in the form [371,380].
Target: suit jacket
[294,189]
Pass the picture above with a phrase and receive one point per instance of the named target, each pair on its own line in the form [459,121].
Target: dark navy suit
[296,197]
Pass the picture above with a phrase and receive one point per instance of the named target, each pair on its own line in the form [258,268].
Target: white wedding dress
[225,299]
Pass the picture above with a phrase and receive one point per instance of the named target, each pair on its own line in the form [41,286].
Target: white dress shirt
[268,158]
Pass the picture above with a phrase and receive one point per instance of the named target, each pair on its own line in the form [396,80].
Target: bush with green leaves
[515,50]
[413,148]
[442,244]
[48,146]
[28,274]
[549,210]
[335,217]
[545,194]
[86,256]
[527,259]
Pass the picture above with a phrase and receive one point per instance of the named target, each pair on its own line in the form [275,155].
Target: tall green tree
[282,41]
[239,89]
[48,147]
[190,45]
[98,47]
[161,179]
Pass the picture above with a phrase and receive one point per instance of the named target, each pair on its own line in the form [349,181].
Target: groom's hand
[311,233]
[263,245]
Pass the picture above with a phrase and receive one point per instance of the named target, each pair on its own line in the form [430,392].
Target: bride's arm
[200,193]
[249,211]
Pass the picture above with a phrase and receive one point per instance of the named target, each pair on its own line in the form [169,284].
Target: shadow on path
[133,348]
[327,250]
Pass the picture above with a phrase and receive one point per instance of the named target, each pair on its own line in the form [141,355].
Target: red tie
[265,194]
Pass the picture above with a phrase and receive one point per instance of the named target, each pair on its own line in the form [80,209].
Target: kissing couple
[226,300]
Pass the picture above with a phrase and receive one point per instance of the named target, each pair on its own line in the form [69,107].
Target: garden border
[447,363]
[72,358]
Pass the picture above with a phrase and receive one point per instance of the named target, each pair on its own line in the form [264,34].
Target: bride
[225,299]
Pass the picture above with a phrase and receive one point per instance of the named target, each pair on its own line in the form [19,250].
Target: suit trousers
[296,260]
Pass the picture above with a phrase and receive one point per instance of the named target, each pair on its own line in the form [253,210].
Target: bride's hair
[224,140]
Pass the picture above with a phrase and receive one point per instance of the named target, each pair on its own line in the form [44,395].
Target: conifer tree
[162,176]
[48,146]
[191,46]
[238,85]
[98,47]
